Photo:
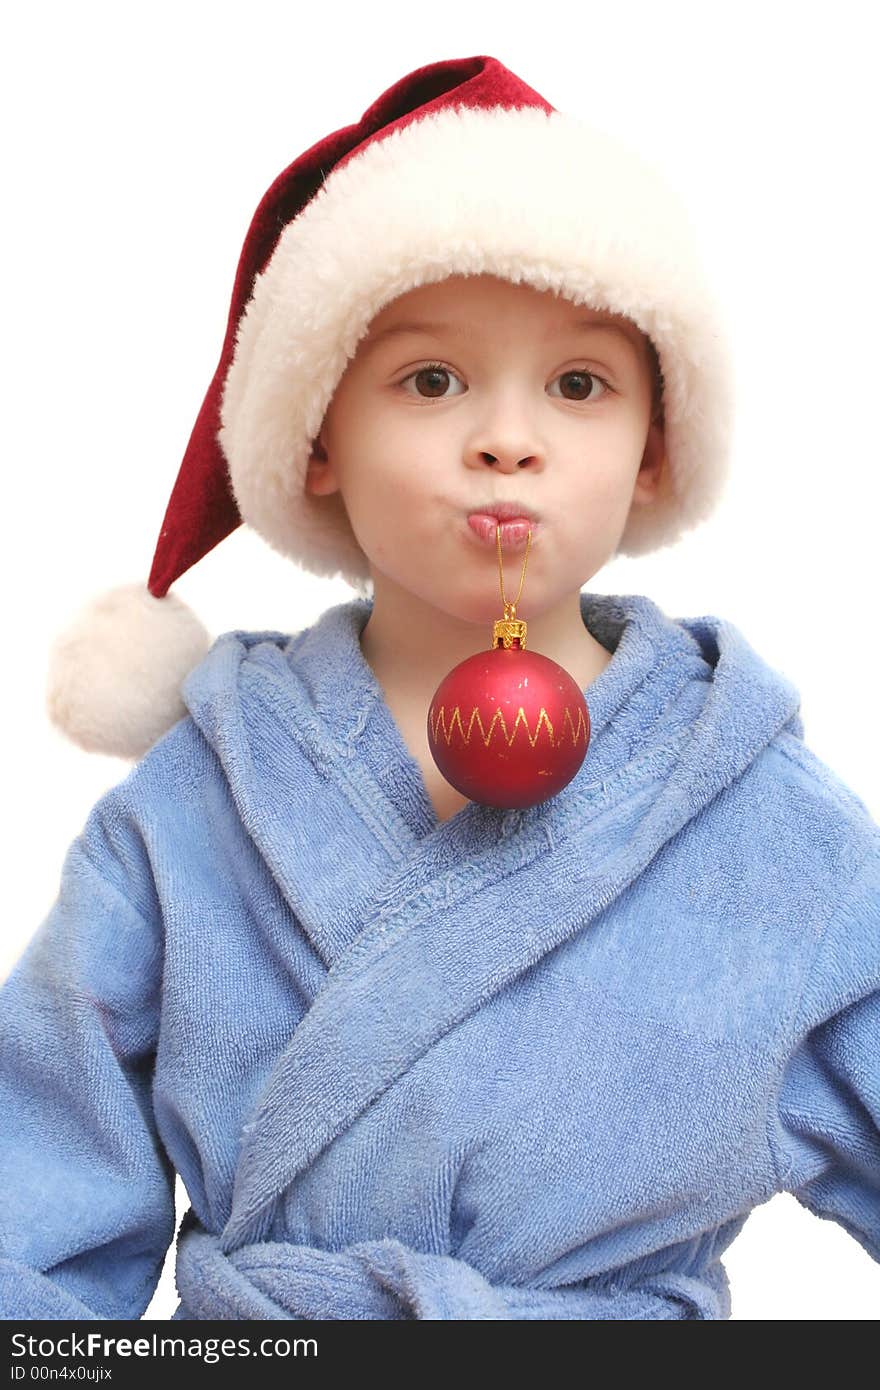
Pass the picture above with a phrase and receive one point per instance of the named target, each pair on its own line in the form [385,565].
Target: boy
[415,1058]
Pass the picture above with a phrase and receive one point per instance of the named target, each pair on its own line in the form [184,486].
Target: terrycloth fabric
[517,1064]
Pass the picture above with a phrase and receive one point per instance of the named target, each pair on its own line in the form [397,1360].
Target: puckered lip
[505,511]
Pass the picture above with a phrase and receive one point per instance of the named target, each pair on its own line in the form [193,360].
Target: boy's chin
[442,599]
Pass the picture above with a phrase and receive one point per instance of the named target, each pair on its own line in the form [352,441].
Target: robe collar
[348,700]
[327,790]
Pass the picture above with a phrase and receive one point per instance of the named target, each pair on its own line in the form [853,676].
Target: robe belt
[386,1279]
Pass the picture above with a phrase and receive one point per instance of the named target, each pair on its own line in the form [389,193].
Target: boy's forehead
[456,306]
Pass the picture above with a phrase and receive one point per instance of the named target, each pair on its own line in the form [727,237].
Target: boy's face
[525,406]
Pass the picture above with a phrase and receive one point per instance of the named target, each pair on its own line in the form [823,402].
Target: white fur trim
[526,195]
[115,674]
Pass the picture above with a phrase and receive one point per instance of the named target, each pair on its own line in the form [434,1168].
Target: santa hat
[458,168]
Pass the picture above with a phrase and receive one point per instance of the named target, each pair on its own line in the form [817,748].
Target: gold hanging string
[510,608]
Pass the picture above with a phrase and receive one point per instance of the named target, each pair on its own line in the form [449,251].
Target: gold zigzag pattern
[439,719]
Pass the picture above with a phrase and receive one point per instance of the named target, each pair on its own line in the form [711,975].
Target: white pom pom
[115,674]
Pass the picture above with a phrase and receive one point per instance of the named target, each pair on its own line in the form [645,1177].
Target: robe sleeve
[828,1114]
[87,1210]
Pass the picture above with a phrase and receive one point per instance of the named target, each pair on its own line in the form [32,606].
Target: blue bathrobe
[525,1064]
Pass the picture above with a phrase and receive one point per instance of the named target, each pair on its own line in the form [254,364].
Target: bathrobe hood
[688,692]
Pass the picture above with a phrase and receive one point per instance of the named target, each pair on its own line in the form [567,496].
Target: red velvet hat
[458,168]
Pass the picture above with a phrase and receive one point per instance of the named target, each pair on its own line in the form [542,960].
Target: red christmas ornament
[508,727]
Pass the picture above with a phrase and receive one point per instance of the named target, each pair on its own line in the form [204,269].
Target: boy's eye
[434,376]
[584,382]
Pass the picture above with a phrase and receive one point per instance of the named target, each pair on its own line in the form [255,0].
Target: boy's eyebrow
[434,329]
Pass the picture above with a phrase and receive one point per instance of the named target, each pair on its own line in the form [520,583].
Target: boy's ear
[652,472]
[319,477]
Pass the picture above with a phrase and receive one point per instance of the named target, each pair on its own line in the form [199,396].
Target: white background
[138,142]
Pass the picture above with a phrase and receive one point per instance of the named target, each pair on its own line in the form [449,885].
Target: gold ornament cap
[509,629]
